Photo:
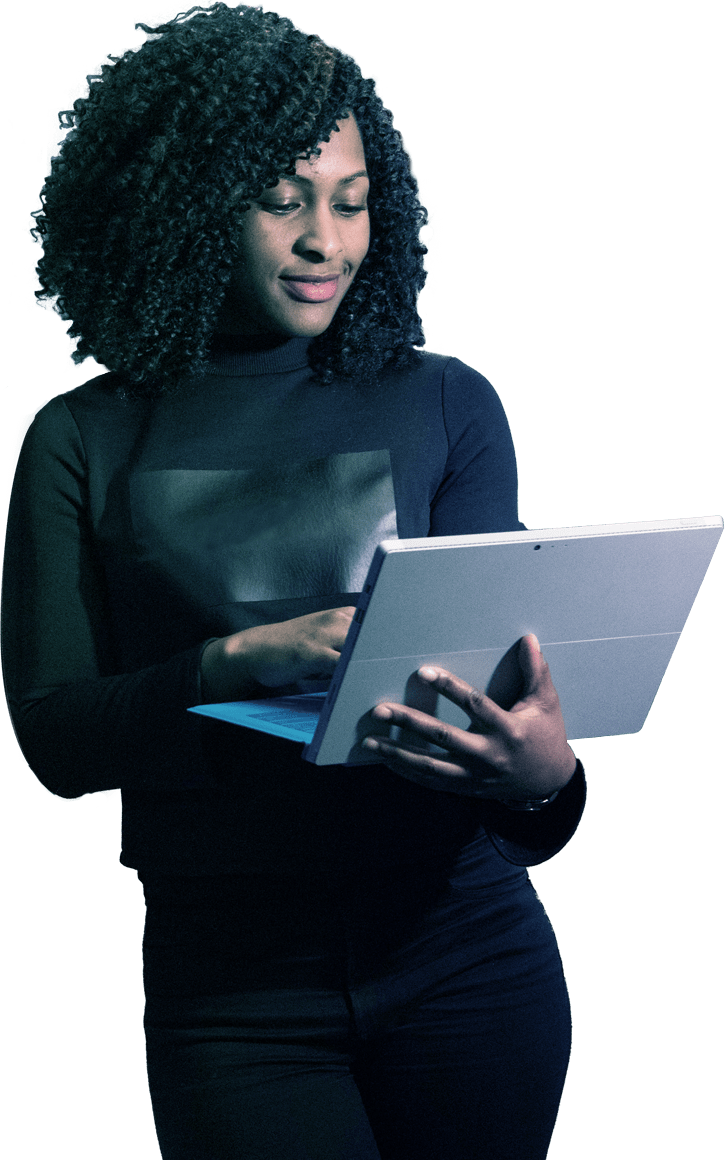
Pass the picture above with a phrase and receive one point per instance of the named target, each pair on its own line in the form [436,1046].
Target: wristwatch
[530,804]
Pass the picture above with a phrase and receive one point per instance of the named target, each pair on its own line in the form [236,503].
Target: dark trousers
[390,1016]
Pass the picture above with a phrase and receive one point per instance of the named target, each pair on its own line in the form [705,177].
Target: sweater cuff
[527,838]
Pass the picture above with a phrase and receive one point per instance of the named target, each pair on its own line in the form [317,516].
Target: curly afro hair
[144,202]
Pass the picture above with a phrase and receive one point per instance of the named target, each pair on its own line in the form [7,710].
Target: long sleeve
[81,725]
[138,531]
[479,494]
[478,490]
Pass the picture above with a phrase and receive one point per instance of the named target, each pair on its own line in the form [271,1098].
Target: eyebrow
[343,180]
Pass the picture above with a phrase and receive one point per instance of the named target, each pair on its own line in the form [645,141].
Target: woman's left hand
[520,753]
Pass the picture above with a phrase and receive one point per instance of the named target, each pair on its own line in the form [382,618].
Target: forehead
[339,157]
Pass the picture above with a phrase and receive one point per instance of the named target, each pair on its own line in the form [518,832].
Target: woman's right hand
[272,655]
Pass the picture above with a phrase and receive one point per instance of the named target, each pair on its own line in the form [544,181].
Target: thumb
[532,664]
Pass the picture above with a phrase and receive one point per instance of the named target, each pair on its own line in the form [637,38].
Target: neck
[232,354]
[247,343]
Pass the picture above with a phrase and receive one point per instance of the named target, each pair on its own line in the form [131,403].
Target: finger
[480,708]
[419,765]
[428,728]
[433,773]
[473,749]
[412,757]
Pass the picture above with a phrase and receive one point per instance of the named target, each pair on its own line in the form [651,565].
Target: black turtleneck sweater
[139,530]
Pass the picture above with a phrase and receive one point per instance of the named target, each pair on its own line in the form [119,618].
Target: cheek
[249,278]
[259,248]
[363,242]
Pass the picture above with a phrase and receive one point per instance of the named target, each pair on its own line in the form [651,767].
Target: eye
[284,209]
[280,209]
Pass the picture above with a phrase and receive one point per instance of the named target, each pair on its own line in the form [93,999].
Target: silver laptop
[607,603]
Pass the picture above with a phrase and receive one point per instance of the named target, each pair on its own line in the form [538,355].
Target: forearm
[124,731]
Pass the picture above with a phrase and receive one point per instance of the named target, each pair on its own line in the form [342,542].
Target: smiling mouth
[311,289]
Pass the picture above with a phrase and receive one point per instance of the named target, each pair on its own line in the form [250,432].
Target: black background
[570,183]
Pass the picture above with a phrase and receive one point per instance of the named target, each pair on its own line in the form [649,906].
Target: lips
[308,288]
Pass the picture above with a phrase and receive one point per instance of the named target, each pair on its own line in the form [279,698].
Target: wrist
[528,804]
[538,803]
[224,669]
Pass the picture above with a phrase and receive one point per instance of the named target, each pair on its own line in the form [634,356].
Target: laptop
[607,602]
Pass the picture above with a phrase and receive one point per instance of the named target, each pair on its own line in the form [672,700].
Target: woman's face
[301,245]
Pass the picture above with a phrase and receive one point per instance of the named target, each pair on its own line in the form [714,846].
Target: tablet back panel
[607,603]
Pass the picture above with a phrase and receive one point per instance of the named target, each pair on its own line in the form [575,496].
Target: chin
[303,329]
[313,331]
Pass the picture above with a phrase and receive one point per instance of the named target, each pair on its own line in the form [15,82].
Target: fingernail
[370,743]
[535,639]
[382,712]
[427,673]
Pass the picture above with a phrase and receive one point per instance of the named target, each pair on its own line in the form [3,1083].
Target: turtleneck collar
[228,357]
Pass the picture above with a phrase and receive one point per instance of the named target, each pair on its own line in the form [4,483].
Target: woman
[338,962]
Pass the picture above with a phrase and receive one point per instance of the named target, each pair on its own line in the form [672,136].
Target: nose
[319,240]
